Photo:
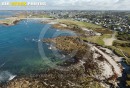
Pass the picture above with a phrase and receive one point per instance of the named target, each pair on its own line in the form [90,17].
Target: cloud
[81,4]
[91,4]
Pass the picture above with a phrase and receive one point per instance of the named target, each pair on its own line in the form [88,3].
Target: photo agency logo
[20,3]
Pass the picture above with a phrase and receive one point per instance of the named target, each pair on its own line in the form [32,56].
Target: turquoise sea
[19,53]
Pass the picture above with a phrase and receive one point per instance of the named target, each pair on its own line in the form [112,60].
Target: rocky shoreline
[54,79]
[10,21]
[88,69]
[91,68]
[97,57]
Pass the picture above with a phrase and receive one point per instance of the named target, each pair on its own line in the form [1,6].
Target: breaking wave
[6,76]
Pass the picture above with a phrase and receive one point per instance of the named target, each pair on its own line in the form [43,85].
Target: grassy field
[72,27]
[82,24]
[40,16]
[123,45]
[119,49]
[94,27]
[125,50]
[97,39]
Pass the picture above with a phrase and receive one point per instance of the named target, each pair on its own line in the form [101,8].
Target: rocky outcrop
[69,45]
[10,21]
[54,79]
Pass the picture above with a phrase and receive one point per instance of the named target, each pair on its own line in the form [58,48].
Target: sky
[74,5]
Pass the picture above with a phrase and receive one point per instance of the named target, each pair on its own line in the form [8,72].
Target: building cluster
[114,20]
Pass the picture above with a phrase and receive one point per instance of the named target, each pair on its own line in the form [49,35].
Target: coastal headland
[96,65]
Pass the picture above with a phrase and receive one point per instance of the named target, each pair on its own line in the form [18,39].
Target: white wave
[39,40]
[6,76]
[50,48]
[36,40]
[12,77]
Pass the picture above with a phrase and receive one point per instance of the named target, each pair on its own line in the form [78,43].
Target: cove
[19,53]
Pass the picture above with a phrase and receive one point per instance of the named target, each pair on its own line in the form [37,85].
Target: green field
[40,16]
[91,26]
[124,46]
[118,45]
[97,39]
[121,49]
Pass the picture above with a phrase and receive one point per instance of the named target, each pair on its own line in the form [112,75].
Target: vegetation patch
[55,79]
[69,45]
[96,39]
[91,26]
[120,50]
[123,36]
[124,46]
[128,83]
[40,16]
[72,27]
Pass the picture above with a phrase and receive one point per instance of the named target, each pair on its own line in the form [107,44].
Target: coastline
[114,60]
[14,20]
[30,78]
[10,21]
[42,80]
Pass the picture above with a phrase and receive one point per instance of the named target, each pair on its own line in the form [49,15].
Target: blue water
[7,13]
[19,53]
[2,18]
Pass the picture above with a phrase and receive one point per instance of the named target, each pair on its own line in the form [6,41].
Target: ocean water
[7,13]
[19,52]
[2,18]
